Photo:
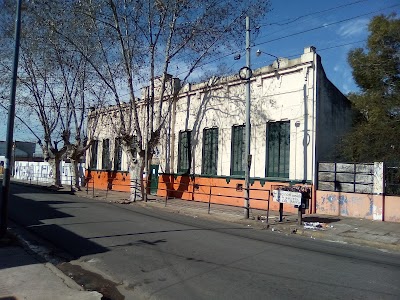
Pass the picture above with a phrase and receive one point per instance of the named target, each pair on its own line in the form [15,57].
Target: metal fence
[37,179]
[392,179]
[210,192]
[196,190]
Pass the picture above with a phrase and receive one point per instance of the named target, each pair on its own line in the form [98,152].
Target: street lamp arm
[258,53]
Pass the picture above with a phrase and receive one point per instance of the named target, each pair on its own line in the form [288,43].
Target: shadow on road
[32,216]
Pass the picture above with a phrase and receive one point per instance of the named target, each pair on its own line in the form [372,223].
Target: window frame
[281,167]
[94,154]
[105,155]
[210,165]
[185,169]
[234,147]
[117,154]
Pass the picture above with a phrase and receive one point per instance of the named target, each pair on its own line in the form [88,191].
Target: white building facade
[297,119]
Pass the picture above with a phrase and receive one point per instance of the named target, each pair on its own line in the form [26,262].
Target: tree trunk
[55,168]
[136,178]
[75,173]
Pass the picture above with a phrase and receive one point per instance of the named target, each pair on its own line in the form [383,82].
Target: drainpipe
[172,148]
[313,209]
[306,135]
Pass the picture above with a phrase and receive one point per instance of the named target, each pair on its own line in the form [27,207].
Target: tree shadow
[39,216]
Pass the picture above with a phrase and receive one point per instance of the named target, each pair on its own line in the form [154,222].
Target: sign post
[293,198]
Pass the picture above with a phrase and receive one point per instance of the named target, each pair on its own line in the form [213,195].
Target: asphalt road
[149,253]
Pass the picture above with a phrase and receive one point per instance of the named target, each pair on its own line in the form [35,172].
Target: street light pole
[247,147]
[5,192]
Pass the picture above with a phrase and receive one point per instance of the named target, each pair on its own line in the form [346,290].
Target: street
[142,253]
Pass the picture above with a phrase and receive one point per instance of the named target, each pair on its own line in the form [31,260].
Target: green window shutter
[237,150]
[106,154]
[210,151]
[134,146]
[184,152]
[117,155]
[278,149]
[93,158]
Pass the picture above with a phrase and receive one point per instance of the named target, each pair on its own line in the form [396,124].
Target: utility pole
[247,150]
[5,192]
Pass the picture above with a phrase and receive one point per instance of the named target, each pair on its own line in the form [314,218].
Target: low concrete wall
[366,206]
[392,208]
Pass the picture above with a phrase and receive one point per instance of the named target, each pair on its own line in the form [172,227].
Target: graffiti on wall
[349,205]
[42,172]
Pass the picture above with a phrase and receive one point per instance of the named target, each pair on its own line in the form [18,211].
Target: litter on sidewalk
[314,225]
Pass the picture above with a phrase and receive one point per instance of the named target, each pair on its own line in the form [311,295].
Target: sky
[333,27]
[340,26]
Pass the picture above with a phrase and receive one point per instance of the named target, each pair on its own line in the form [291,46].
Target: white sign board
[293,198]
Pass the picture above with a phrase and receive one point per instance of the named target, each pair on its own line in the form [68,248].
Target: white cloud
[353,28]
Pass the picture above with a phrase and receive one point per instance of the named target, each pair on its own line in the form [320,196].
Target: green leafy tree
[376,70]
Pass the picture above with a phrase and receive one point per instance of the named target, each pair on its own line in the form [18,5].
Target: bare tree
[56,86]
[140,41]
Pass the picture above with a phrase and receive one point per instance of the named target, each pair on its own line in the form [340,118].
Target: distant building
[21,151]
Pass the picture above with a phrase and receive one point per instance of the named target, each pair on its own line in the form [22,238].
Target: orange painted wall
[223,191]
[350,205]
[197,188]
[375,207]
[392,209]
[117,181]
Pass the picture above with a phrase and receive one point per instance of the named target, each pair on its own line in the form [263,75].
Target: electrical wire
[324,26]
[313,13]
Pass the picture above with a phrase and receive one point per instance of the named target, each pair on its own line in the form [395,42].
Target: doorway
[153,179]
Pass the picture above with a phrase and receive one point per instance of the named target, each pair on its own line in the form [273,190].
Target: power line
[324,26]
[342,45]
[313,13]
[323,49]
[297,33]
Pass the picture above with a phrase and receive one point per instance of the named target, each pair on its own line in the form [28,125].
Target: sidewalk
[376,234]
[24,276]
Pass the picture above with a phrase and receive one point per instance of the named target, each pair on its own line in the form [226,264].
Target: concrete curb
[336,238]
[287,228]
[66,279]
[349,240]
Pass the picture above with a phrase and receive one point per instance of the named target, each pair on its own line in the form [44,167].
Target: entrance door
[153,179]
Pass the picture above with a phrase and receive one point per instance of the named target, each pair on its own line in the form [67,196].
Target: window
[278,149]
[117,154]
[135,146]
[184,155]
[93,158]
[238,150]
[210,151]
[106,155]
